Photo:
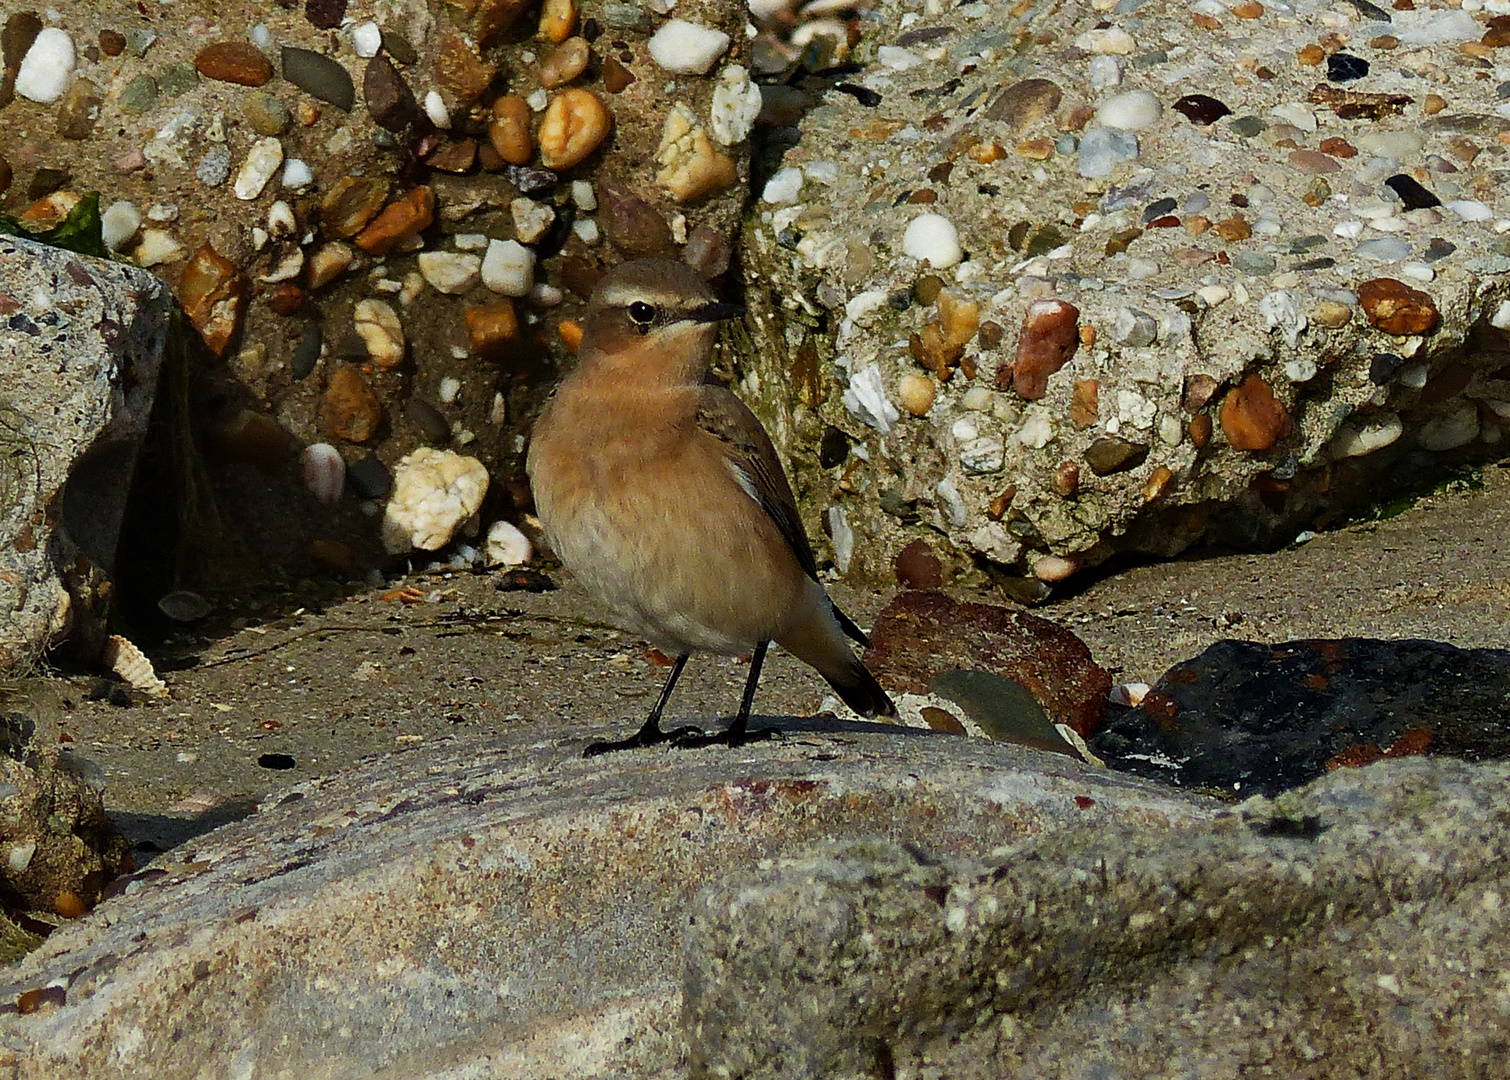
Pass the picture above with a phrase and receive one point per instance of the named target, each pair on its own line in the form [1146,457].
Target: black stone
[1250,718]
[325,14]
[1201,109]
[432,423]
[1439,249]
[1412,194]
[833,449]
[1345,67]
[863,94]
[276,761]
[1384,367]
[529,179]
[1158,208]
[523,579]
[369,478]
[1323,263]
[308,352]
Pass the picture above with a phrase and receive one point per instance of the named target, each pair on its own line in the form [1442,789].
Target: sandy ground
[464,662]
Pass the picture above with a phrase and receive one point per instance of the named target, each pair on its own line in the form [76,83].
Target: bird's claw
[642,738]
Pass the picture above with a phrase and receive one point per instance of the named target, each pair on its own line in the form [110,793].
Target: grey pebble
[319,76]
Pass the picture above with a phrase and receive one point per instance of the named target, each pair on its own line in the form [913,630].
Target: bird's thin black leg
[738,733]
[650,734]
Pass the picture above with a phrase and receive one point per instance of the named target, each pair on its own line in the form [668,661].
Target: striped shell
[132,665]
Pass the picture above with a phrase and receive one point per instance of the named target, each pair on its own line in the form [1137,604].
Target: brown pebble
[324,14]
[453,157]
[959,317]
[492,327]
[1396,308]
[1311,55]
[1204,21]
[986,153]
[575,122]
[388,96]
[1384,42]
[1312,162]
[558,18]
[1001,504]
[1252,417]
[461,71]
[238,62]
[929,349]
[29,1001]
[631,224]
[1036,149]
[918,567]
[924,197]
[1066,480]
[350,409]
[1249,9]
[1048,340]
[1025,103]
[1233,228]
[1198,390]
[212,291]
[940,720]
[708,251]
[286,299]
[1085,403]
[1432,104]
[1337,147]
[351,204]
[1157,484]
[1112,454]
[916,393]
[1200,430]
[401,220]
[69,905]
[79,109]
[112,42]
[1195,224]
[990,334]
[509,130]
[565,62]
[616,77]
[6,175]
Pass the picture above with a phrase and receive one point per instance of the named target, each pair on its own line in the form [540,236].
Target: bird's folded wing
[753,462]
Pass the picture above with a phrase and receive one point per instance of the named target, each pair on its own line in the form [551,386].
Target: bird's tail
[819,639]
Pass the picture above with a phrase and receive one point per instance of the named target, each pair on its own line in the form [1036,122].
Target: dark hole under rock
[1249,718]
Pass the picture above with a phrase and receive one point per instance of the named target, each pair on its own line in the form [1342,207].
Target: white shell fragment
[687,48]
[132,665]
[736,105]
[324,472]
[262,160]
[507,546]
[435,494]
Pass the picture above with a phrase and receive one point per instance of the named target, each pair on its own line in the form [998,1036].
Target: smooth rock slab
[1357,928]
[514,911]
[81,344]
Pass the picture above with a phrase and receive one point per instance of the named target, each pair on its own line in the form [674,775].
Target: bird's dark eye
[642,313]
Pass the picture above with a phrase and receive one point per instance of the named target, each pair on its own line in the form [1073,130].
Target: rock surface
[509,911]
[1353,928]
[81,345]
[1214,276]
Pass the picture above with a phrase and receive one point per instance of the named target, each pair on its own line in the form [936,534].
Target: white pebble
[1130,111]
[1105,71]
[507,546]
[1418,271]
[157,246]
[822,172]
[532,220]
[1348,230]
[1457,427]
[262,160]
[1037,429]
[1113,41]
[538,99]
[686,48]
[435,109]
[297,174]
[20,856]
[280,219]
[378,325]
[586,230]
[450,272]
[260,36]
[736,105]
[1300,370]
[1501,319]
[46,67]
[784,188]
[366,39]
[470,241]
[119,224]
[1470,210]
[932,237]
[867,401]
[450,390]
[1295,114]
[435,493]
[545,295]
[509,268]
[1213,294]
[163,212]
[583,196]
[898,59]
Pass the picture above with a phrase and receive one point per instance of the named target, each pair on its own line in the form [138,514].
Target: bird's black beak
[709,313]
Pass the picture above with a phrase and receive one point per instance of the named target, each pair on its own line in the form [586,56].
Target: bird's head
[655,318]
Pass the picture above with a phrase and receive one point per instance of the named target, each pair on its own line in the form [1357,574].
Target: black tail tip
[860,691]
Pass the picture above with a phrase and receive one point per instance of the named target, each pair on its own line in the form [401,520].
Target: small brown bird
[664,496]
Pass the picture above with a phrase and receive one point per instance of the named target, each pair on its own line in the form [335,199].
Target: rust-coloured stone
[350,408]
[213,293]
[1066,482]
[238,62]
[1200,430]
[1252,417]
[492,327]
[1049,338]
[1198,390]
[918,567]
[921,634]
[454,157]
[1396,308]
[286,299]
[1085,403]
[401,220]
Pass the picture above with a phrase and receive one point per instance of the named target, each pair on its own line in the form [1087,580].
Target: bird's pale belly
[721,596]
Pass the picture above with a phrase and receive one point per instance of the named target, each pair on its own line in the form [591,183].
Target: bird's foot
[643,737]
[730,738]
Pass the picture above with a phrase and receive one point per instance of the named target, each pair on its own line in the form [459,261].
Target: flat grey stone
[512,912]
